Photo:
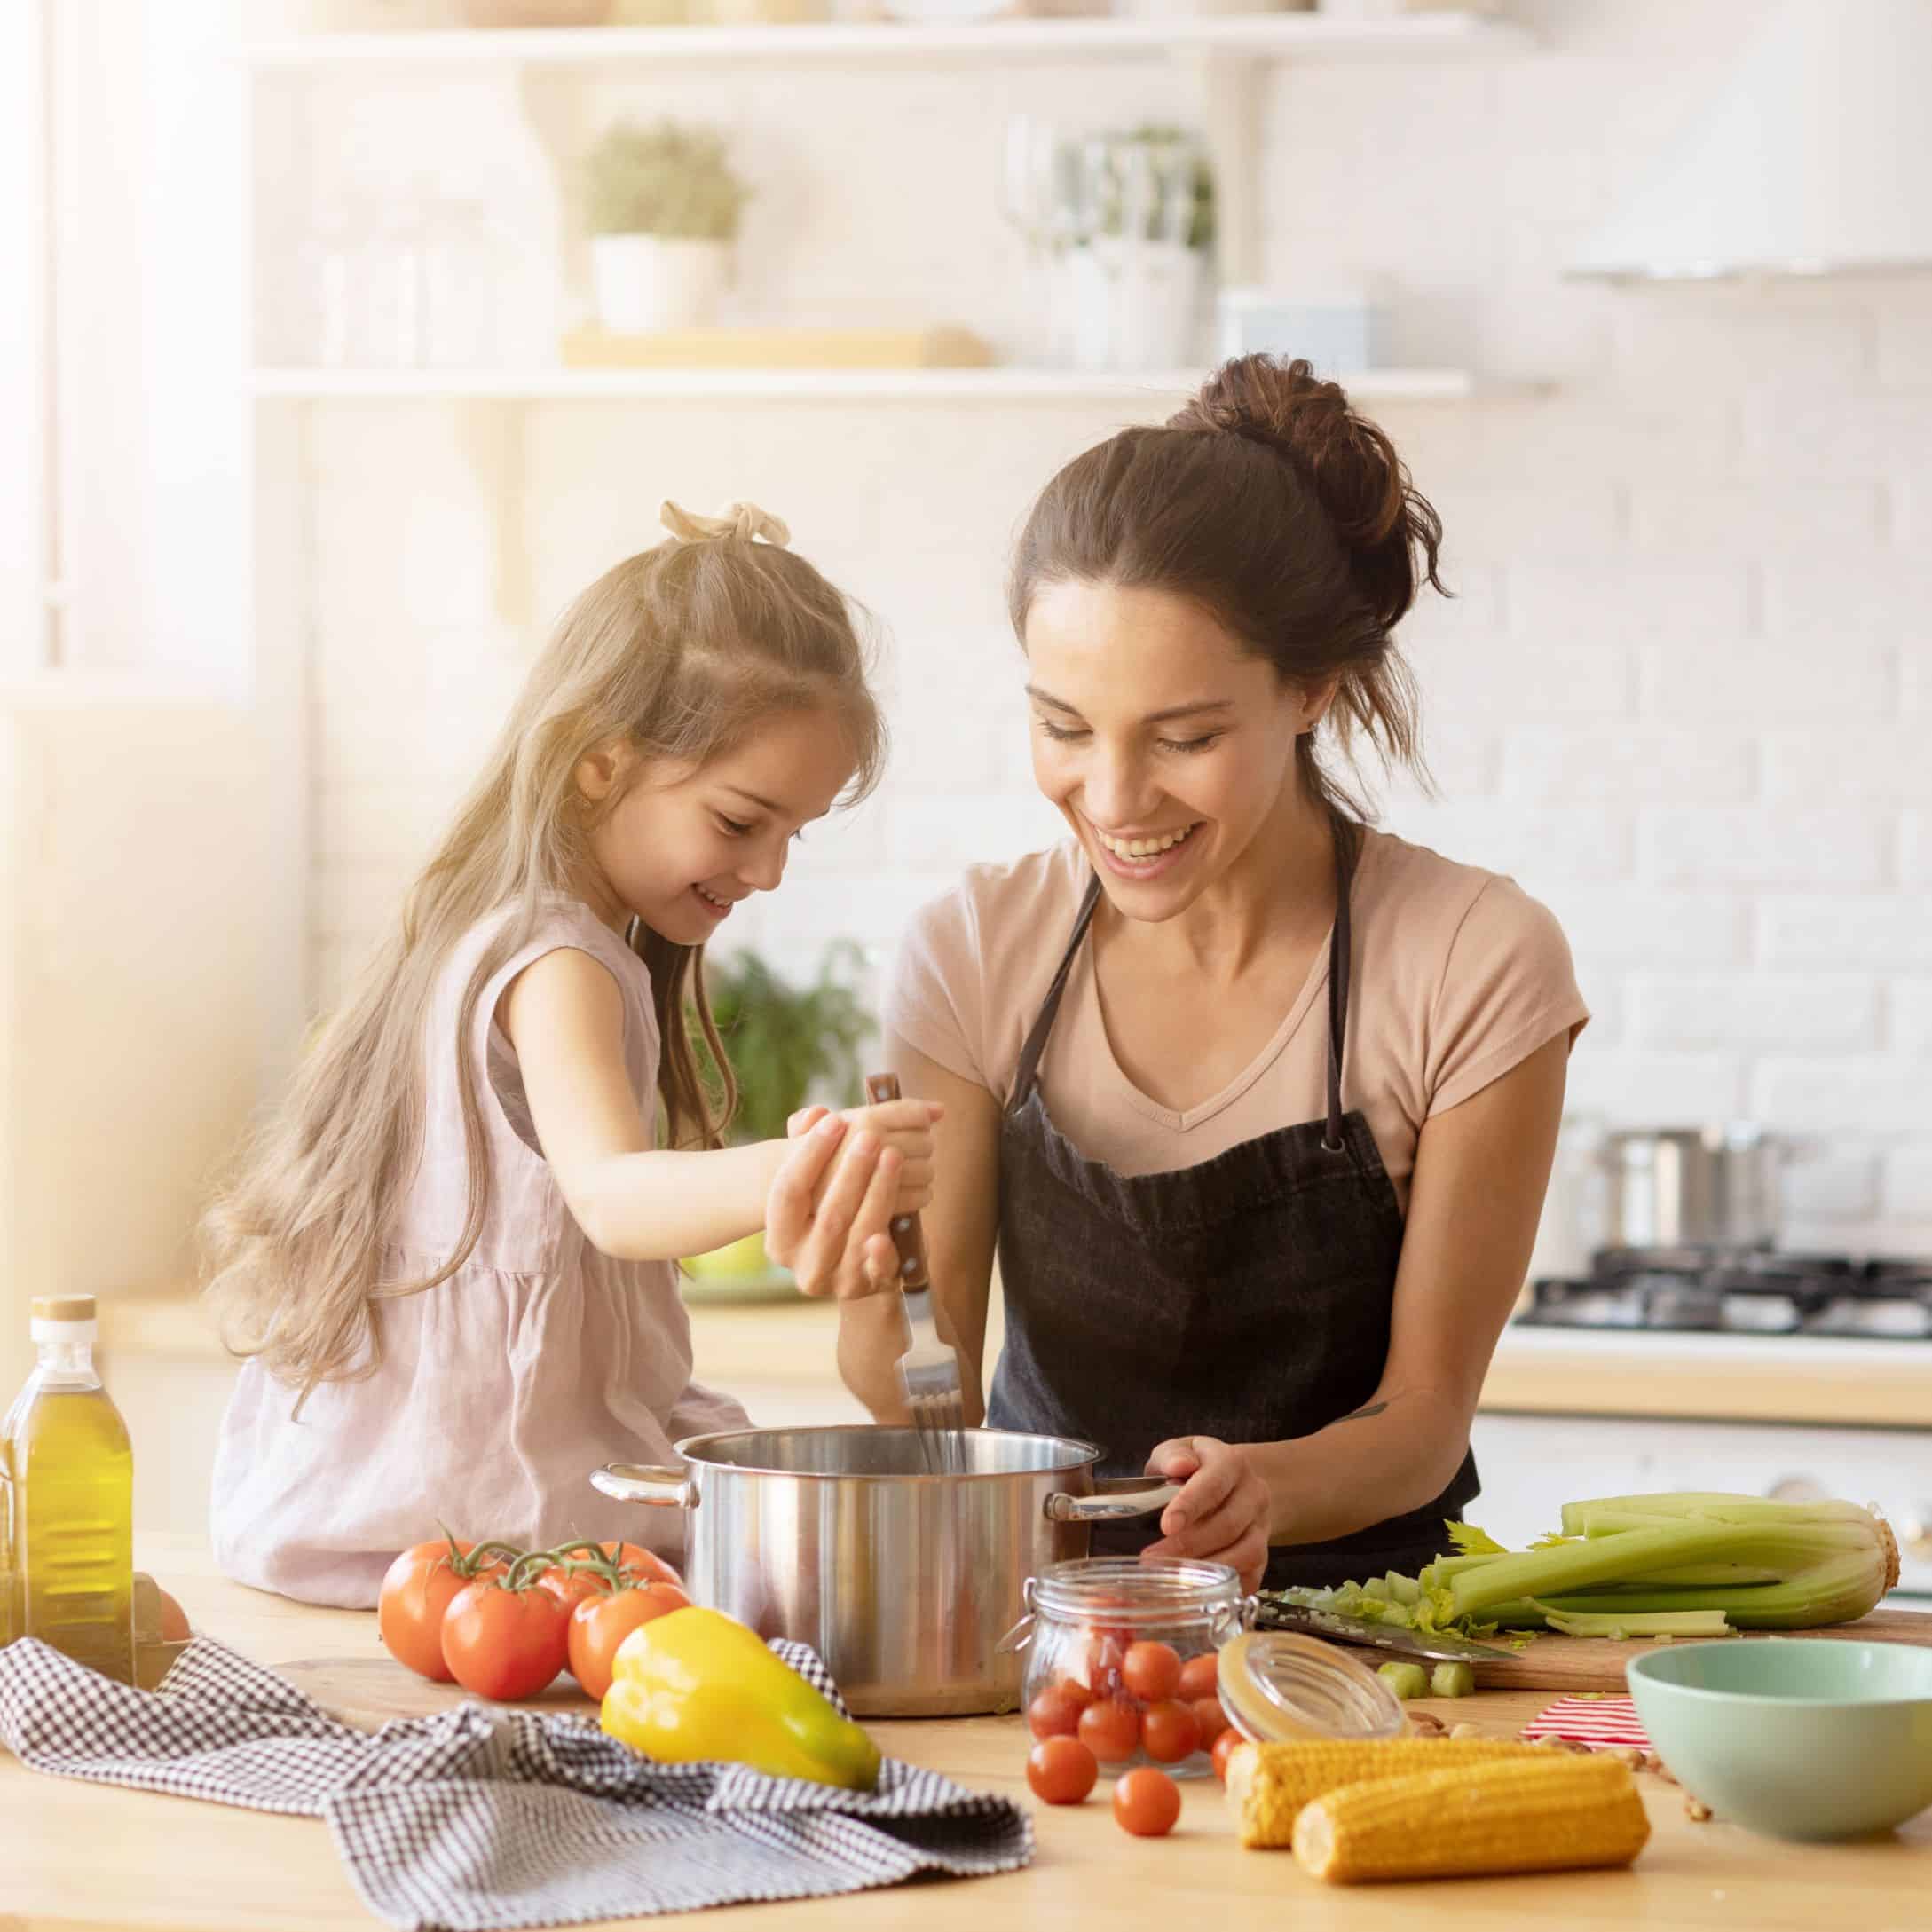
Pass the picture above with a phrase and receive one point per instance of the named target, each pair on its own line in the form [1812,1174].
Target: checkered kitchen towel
[484,1816]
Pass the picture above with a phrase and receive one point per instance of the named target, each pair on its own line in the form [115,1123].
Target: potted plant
[786,1045]
[662,206]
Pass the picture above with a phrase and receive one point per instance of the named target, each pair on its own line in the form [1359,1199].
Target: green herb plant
[666,179]
[788,1044]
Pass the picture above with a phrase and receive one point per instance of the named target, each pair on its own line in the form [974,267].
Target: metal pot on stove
[903,1581]
[1713,1188]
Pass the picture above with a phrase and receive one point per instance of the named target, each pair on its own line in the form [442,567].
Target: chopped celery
[1377,1589]
[1452,1680]
[1406,1680]
[1402,1590]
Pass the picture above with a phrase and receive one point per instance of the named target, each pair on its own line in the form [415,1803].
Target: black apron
[1248,1298]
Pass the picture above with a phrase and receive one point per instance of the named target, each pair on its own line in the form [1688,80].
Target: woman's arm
[1481,1169]
[564,1016]
[961,1227]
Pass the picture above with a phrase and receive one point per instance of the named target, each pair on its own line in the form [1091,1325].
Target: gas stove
[1752,1291]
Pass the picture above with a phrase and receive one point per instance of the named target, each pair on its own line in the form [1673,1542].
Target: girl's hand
[831,1203]
[905,1126]
[1222,1512]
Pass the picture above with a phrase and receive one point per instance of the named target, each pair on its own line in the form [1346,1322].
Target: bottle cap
[61,1308]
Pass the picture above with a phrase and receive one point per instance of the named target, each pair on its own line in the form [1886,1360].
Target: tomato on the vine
[502,1642]
[647,1565]
[600,1623]
[415,1593]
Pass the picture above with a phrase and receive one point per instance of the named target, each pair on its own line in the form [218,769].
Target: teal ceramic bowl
[1798,1737]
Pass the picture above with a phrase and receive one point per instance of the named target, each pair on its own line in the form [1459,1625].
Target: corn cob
[1549,1816]
[1267,1784]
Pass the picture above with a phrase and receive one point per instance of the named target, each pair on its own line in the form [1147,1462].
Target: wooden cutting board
[369,1692]
[1550,1662]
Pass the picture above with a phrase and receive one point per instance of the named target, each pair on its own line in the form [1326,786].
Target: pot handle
[638,1482]
[1134,1497]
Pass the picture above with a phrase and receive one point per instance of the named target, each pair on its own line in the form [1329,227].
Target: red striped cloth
[1596,1720]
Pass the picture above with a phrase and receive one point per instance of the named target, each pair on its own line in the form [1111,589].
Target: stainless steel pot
[903,1582]
[1692,1187]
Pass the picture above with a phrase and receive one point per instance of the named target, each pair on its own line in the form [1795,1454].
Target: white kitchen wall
[1683,691]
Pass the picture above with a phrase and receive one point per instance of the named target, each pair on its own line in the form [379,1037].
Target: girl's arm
[1481,1169]
[564,1016]
[961,1226]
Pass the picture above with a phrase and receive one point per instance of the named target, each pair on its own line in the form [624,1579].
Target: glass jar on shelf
[1123,1653]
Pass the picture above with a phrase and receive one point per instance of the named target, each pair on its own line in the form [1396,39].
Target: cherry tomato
[1209,1718]
[1168,1731]
[1151,1671]
[1200,1677]
[416,1590]
[1071,1687]
[1061,1771]
[504,1643]
[599,1624]
[1055,1712]
[1146,1802]
[1110,1729]
[1223,1744]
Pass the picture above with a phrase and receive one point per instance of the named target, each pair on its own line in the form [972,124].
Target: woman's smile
[1143,855]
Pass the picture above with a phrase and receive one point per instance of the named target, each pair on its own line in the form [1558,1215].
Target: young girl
[452,1259]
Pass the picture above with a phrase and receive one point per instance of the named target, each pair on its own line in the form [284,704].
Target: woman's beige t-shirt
[1456,976]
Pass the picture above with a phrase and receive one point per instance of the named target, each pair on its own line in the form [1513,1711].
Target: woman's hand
[1222,1512]
[830,1206]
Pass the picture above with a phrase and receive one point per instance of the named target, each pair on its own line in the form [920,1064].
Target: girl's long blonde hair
[680,650]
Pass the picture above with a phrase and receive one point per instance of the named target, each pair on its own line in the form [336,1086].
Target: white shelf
[806,385]
[1261,35]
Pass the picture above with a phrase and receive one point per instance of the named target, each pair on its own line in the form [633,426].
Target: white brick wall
[1680,694]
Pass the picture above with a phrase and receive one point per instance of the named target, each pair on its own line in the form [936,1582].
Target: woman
[1255,1104]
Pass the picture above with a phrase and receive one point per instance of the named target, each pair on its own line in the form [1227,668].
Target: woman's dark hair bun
[1385,523]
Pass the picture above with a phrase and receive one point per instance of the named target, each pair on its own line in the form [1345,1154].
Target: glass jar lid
[1278,1686]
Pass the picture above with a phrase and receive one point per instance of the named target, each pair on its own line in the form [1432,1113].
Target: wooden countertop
[76,1854]
[1536,1371]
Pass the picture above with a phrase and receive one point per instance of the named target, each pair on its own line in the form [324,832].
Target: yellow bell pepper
[697,1685]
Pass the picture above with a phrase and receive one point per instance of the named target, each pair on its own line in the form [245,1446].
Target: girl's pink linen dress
[498,1390]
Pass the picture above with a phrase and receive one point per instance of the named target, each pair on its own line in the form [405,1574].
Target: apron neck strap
[1346,850]
[1035,1041]
[1339,958]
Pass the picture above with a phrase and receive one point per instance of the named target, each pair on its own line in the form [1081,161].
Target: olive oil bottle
[66,1481]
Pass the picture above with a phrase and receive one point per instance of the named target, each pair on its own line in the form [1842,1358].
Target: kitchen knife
[1439,1645]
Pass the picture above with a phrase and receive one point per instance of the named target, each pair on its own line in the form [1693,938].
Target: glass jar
[1122,1650]
[1278,1687]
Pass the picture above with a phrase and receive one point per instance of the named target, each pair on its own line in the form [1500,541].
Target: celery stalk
[1638,1623]
[1753,1562]
[1848,1569]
